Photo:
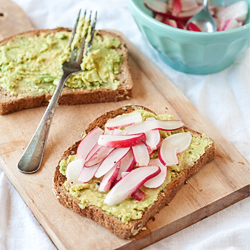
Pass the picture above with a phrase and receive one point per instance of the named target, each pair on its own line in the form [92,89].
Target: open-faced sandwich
[31,67]
[129,164]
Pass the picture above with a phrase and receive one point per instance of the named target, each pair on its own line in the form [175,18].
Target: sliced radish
[108,132]
[156,5]
[98,156]
[159,17]
[158,180]
[153,125]
[118,131]
[93,151]
[124,120]
[180,24]
[171,146]
[177,8]
[127,164]
[123,174]
[141,154]
[187,5]
[172,23]
[121,141]
[177,18]
[88,173]
[193,27]
[129,184]
[153,137]
[180,140]
[138,195]
[151,151]
[168,154]
[73,170]
[88,142]
[236,11]
[113,158]
[228,24]
[190,13]
[109,178]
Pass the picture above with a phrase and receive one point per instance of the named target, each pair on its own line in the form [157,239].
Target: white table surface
[224,98]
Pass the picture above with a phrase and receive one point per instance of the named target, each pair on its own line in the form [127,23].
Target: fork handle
[32,157]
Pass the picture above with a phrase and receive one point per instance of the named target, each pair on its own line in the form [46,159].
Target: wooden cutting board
[13,20]
[217,185]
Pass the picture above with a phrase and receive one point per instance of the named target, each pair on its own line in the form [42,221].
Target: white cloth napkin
[224,98]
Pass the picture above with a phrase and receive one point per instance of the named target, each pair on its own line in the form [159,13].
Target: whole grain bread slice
[70,96]
[113,224]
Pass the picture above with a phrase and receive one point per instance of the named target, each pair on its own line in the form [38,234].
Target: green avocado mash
[131,209]
[33,65]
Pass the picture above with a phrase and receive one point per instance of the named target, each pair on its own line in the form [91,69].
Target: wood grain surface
[12,19]
[217,185]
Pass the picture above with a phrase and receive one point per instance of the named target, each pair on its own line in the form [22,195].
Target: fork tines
[80,50]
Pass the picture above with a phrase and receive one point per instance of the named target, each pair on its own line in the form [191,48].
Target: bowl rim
[185,32]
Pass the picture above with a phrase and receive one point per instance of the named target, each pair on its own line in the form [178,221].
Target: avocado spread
[131,209]
[32,65]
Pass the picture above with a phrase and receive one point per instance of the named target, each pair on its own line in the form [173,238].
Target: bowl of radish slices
[187,49]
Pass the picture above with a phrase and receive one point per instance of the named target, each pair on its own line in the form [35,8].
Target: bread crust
[70,96]
[112,223]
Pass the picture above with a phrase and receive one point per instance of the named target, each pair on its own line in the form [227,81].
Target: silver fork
[31,159]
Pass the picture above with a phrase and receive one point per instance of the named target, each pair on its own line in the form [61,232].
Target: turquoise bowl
[191,52]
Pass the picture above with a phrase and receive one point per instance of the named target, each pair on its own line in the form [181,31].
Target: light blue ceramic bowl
[192,52]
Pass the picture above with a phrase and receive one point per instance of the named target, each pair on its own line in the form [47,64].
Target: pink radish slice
[121,141]
[171,146]
[158,180]
[193,27]
[127,164]
[172,23]
[180,140]
[228,24]
[88,142]
[118,131]
[159,17]
[109,178]
[190,13]
[151,151]
[124,120]
[88,173]
[123,174]
[168,154]
[98,156]
[154,125]
[108,132]
[138,195]
[177,8]
[177,18]
[180,25]
[156,5]
[236,11]
[113,158]
[73,170]
[93,151]
[187,5]
[141,154]
[153,139]
[129,184]
[170,5]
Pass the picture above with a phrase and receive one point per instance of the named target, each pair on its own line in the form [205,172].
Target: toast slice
[11,103]
[111,222]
